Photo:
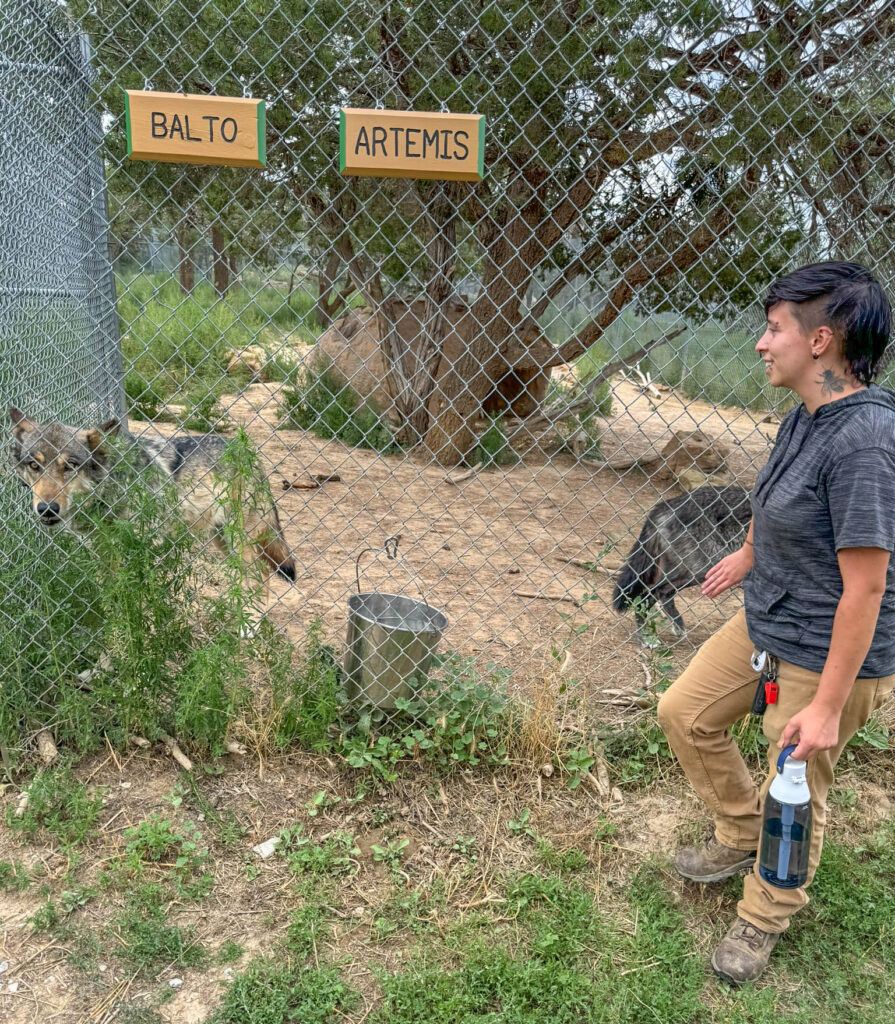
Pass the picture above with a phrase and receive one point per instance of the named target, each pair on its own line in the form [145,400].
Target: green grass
[177,347]
[710,362]
[322,403]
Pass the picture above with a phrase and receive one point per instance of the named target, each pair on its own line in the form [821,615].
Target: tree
[683,142]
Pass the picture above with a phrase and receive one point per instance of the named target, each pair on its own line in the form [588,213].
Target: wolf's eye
[33,465]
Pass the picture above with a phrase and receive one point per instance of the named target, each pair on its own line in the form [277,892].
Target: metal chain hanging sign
[181,128]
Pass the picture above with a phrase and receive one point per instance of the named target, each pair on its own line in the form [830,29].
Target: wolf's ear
[96,436]
[20,422]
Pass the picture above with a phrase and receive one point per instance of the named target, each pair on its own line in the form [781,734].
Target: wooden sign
[407,144]
[182,128]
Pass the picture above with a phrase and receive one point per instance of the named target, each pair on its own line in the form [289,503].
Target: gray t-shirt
[829,484]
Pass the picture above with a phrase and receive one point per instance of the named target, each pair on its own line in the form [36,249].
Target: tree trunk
[425,350]
[186,268]
[221,264]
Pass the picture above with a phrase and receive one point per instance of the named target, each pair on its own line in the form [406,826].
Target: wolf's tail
[640,571]
[274,550]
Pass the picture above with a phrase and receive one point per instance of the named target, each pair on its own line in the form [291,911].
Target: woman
[819,592]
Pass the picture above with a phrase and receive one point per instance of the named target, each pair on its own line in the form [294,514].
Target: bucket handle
[391,552]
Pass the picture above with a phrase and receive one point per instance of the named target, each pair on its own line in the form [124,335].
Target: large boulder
[351,348]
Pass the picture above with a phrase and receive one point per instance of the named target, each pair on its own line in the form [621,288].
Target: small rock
[175,982]
[125,785]
[200,817]
[4,967]
[103,967]
[357,912]
[546,770]
[267,848]
[616,795]
[13,986]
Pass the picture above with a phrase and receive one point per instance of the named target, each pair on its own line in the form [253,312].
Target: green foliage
[13,877]
[306,699]
[336,855]
[493,448]
[307,926]
[148,941]
[45,918]
[457,721]
[177,849]
[330,408]
[271,992]
[60,805]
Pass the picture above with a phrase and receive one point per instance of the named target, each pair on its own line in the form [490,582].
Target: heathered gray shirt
[829,484]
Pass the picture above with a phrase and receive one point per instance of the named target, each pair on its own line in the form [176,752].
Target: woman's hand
[814,728]
[728,572]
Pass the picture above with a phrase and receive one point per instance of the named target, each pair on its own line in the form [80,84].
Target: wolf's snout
[48,511]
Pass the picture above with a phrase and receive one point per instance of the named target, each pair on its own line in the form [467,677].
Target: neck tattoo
[830,384]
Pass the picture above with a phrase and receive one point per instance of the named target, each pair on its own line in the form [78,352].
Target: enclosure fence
[507,375]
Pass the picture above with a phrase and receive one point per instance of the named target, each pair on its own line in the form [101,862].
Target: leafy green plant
[576,762]
[13,877]
[270,991]
[321,402]
[176,849]
[521,826]
[336,855]
[148,941]
[390,852]
[306,699]
[59,804]
[493,448]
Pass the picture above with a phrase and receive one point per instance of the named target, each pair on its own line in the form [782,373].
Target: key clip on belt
[768,690]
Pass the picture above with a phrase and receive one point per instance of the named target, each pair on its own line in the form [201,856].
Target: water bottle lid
[790,783]
[784,754]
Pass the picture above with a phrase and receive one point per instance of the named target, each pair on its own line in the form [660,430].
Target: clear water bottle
[786,828]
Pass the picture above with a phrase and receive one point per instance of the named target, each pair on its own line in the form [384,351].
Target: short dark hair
[849,300]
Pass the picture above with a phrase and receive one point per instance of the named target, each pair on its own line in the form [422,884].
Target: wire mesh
[509,374]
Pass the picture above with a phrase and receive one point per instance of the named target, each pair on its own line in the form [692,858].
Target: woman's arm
[816,727]
[730,570]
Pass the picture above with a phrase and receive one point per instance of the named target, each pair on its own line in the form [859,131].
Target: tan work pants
[695,714]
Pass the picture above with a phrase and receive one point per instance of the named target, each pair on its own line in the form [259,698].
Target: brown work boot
[713,862]
[743,953]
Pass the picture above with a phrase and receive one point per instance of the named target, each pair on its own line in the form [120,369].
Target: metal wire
[589,310]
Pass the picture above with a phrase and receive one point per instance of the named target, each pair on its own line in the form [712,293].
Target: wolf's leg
[674,616]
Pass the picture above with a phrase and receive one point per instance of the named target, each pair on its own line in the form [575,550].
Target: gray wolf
[681,540]
[61,463]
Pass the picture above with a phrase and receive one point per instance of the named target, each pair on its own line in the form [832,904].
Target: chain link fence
[508,375]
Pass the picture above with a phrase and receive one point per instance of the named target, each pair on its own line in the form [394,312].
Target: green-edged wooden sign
[182,128]
[407,144]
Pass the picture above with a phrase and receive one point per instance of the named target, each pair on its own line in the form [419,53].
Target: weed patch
[270,993]
[322,403]
[59,805]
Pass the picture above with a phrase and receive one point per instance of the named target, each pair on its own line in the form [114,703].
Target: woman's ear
[823,343]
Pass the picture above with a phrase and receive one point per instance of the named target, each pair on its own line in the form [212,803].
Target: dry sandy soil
[496,551]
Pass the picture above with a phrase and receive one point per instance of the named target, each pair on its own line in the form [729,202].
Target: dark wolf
[58,462]
[680,541]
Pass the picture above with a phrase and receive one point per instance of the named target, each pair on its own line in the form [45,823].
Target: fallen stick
[590,566]
[46,747]
[316,480]
[463,476]
[548,597]
[177,753]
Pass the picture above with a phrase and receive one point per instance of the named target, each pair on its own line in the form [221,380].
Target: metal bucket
[390,646]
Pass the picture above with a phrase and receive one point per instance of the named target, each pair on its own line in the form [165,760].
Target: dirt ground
[253,899]
[496,551]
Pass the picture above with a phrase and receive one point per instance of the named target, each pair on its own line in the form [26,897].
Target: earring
[815,355]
